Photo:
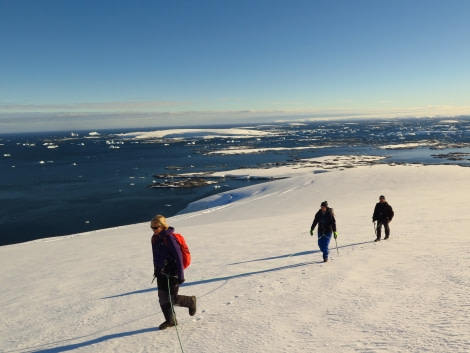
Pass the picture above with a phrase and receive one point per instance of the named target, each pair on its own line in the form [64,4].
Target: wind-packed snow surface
[258,274]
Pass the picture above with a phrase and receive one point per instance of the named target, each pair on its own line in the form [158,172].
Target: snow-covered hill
[258,275]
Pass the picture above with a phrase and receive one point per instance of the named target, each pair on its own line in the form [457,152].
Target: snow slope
[258,275]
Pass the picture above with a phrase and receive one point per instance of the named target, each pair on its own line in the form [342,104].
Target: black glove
[156,272]
[180,280]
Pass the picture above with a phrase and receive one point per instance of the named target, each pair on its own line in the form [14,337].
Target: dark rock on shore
[184,183]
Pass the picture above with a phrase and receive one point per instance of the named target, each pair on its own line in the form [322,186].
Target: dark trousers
[167,287]
[379,229]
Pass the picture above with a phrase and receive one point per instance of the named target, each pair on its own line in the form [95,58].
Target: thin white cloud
[93,106]
[31,120]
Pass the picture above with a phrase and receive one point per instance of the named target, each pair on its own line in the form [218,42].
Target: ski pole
[336,246]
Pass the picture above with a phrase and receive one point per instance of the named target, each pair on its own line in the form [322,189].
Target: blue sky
[95,64]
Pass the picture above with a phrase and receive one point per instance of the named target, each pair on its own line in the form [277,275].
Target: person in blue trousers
[325,219]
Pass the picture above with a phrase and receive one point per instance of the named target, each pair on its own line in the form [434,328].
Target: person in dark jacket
[169,272]
[383,214]
[325,219]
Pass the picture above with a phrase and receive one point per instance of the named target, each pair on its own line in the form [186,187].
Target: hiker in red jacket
[169,272]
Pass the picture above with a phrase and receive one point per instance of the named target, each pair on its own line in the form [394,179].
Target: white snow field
[258,274]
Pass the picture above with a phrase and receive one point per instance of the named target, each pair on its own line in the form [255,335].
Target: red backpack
[184,249]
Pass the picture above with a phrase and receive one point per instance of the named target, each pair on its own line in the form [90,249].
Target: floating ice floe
[50,145]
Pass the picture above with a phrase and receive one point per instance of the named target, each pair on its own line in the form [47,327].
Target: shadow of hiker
[217,279]
[73,346]
[204,281]
[301,253]
[275,257]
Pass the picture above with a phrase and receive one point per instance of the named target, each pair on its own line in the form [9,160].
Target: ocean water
[60,183]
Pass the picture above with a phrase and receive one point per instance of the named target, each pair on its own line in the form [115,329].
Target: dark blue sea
[60,183]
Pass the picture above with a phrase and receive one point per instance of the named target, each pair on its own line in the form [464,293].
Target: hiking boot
[192,306]
[386,237]
[325,259]
[166,324]
[378,239]
[187,301]
[170,318]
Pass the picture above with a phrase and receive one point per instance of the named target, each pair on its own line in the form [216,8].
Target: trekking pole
[336,246]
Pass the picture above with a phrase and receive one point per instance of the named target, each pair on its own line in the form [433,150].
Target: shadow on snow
[90,342]
[73,346]
[240,275]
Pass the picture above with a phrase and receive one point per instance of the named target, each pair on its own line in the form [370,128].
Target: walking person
[325,219]
[169,271]
[383,214]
